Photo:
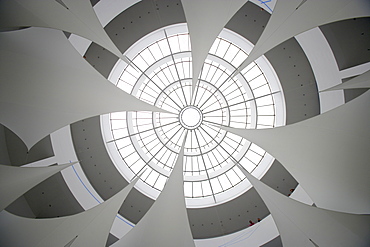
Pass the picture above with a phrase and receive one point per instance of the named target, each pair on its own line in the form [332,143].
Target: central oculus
[190,117]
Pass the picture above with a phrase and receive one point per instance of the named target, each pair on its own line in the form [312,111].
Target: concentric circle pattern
[161,74]
[191,117]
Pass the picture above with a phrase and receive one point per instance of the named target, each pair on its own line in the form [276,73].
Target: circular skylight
[190,117]
[160,73]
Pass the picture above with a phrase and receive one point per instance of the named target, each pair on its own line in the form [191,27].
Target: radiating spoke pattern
[160,74]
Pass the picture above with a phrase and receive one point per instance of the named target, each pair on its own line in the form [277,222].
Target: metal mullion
[152,81]
[227,79]
[144,59]
[160,47]
[215,130]
[253,78]
[146,144]
[216,89]
[201,188]
[235,160]
[191,146]
[120,79]
[218,131]
[226,50]
[214,113]
[234,140]
[144,118]
[119,128]
[256,152]
[147,135]
[238,108]
[151,53]
[130,154]
[194,95]
[210,161]
[128,72]
[135,161]
[219,42]
[222,148]
[201,97]
[156,179]
[151,88]
[249,100]
[267,105]
[141,132]
[137,126]
[168,117]
[182,62]
[233,121]
[148,95]
[180,137]
[162,69]
[213,103]
[247,70]
[241,179]
[218,178]
[228,178]
[211,122]
[217,142]
[117,119]
[243,109]
[156,75]
[174,127]
[147,163]
[203,136]
[201,154]
[237,88]
[218,162]
[250,161]
[262,86]
[217,68]
[168,160]
[170,106]
[134,127]
[129,144]
[231,61]
[174,63]
[223,157]
[265,125]
[230,146]
[146,176]
[163,154]
[222,72]
[205,77]
[168,68]
[125,82]
[212,116]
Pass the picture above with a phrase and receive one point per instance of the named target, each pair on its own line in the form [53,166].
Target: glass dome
[160,73]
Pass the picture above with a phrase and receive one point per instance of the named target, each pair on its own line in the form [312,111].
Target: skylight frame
[183,60]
